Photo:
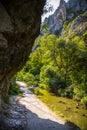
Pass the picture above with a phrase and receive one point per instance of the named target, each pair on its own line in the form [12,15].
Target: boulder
[19,26]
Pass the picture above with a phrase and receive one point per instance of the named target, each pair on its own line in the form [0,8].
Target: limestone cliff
[78,26]
[75,7]
[68,12]
[55,21]
[19,26]
[78,5]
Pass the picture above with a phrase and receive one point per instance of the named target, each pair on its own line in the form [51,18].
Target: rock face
[19,26]
[14,116]
[66,11]
[78,5]
[75,7]
[77,27]
[55,21]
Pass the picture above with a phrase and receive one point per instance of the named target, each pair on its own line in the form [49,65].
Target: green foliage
[44,26]
[50,80]
[67,92]
[66,22]
[14,89]
[78,94]
[84,36]
[36,91]
[59,65]
[27,77]
[80,91]
[84,101]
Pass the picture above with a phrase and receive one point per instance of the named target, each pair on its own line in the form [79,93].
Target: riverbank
[67,109]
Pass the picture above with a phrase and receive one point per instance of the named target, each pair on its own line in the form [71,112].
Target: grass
[64,107]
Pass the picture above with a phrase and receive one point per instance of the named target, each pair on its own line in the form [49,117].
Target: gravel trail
[38,115]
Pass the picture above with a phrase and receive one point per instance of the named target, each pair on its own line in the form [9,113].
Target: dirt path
[39,117]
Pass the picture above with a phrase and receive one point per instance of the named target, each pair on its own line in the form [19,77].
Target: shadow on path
[37,123]
[28,113]
[18,117]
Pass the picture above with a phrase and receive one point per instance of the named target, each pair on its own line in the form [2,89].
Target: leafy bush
[67,92]
[79,92]
[51,80]
[61,92]
[36,91]
[27,77]
[14,89]
[84,101]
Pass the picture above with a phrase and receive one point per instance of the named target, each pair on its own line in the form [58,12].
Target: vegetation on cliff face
[68,19]
[77,26]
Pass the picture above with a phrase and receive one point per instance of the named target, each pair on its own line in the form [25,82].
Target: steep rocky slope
[19,26]
[72,14]
[55,21]
[78,26]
